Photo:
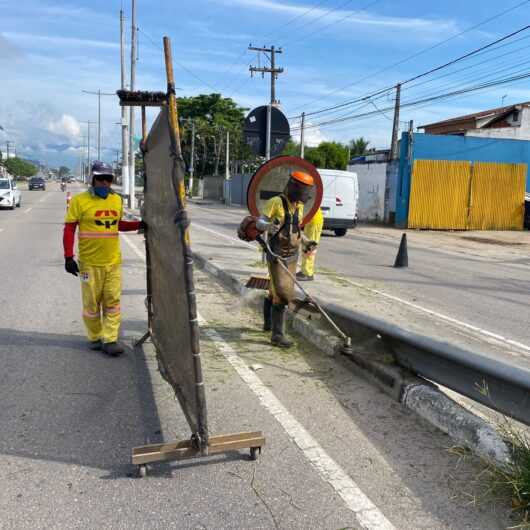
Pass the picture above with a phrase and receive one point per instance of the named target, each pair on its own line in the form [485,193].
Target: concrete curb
[423,398]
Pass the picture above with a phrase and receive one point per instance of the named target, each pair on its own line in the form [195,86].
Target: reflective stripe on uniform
[114,310]
[91,314]
[98,235]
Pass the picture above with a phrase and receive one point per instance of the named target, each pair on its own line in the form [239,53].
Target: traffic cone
[402,258]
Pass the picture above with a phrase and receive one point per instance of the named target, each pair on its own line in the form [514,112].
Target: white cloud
[66,126]
[56,40]
[349,17]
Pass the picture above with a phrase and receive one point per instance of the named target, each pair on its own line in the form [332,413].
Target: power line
[421,52]
[423,74]
[180,65]
[438,97]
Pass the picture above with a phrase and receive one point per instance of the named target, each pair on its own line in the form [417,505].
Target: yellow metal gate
[497,196]
[439,194]
[460,195]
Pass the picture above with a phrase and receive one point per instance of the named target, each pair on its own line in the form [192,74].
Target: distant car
[36,183]
[70,179]
[10,196]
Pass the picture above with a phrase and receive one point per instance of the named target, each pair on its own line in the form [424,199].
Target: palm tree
[358,146]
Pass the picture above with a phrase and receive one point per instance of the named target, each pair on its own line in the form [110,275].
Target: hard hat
[101,168]
[303,178]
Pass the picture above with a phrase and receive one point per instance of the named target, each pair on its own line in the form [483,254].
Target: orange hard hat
[303,178]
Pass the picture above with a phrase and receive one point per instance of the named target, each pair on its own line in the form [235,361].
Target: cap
[303,178]
[101,168]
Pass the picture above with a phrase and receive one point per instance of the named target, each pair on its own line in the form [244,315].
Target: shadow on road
[62,402]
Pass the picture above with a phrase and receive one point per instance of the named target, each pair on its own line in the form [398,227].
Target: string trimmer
[346,346]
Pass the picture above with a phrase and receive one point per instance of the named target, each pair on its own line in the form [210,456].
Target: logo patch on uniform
[84,276]
[107,218]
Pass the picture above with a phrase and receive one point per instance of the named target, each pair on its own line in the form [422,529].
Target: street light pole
[132,197]
[88,122]
[98,93]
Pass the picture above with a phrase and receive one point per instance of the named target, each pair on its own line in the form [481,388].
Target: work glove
[70,265]
[267,226]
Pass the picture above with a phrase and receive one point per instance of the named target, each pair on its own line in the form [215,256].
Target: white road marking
[134,248]
[455,322]
[1,229]
[28,209]
[366,513]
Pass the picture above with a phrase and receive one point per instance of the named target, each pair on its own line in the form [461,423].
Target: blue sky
[51,50]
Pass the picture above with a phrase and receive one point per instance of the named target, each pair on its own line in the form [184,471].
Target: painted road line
[455,322]
[1,229]
[365,511]
[28,209]
[133,247]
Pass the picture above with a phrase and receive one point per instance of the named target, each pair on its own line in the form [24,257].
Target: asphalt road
[487,289]
[339,453]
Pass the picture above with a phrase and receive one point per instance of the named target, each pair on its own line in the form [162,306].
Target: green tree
[20,168]
[359,146]
[213,116]
[328,155]
[291,149]
[64,171]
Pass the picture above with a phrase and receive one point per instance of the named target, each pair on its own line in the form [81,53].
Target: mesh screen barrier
[173,325]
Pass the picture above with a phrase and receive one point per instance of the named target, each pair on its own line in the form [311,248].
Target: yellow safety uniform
[286,245]
[99,261]
[313,231]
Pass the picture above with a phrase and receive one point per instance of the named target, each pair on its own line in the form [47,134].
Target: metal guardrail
[498,385]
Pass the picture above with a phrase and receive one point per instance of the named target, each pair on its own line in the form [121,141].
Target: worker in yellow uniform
[281,219]
[98,213]
[313,231]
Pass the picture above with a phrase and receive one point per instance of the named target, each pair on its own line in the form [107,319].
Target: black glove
[142,227]
[70,265]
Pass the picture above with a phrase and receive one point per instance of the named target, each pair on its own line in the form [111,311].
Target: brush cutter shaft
[267,249]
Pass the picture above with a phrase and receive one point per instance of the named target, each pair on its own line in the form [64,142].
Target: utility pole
[124,127]
[227,170]
[132,197]
[302,124]
[272,51]
[88,122]
[192,157]
[98,93]
[395,128]
[392,165]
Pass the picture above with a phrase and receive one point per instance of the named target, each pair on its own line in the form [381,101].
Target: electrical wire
[417,54]
[430,99]
[180,65]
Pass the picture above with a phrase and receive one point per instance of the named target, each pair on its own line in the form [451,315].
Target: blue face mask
[102,191]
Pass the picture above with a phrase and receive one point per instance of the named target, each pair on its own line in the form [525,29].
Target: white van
[340,201]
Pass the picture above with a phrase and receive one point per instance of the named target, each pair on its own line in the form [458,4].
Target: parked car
[340,200]
[36,183]
[10,195]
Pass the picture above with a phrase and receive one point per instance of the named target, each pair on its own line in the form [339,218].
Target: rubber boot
[267,308]
[278,326]
[114,349]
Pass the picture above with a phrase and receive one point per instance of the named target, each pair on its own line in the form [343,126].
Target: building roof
[494,114]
